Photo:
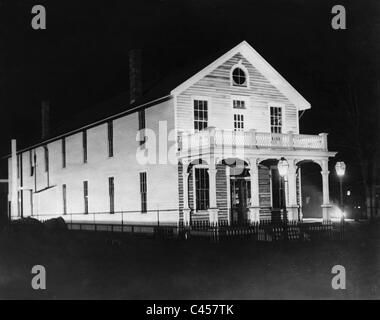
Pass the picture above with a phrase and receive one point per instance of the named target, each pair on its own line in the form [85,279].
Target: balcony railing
[213,137]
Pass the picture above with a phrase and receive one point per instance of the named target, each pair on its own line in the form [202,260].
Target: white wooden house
[203,146]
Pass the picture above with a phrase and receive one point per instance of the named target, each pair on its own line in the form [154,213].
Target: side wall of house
[45,195]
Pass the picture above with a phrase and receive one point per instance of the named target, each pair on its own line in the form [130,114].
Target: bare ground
[92,266]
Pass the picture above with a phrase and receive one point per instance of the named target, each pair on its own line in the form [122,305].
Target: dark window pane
[85,196]
[238,76]
[110,138]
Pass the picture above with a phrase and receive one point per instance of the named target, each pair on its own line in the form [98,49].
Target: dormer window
[239,77]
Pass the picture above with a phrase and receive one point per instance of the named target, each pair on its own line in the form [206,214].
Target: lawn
[105,266]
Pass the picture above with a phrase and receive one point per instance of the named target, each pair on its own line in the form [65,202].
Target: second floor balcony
[219,138]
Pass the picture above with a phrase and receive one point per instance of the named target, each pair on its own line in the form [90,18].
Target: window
[141,119]
[238,122]
[200,114]
[111,191]
[85,196]
[202,189]
[63,153]
[64,200]
[46,156]
[276,119]
[31,203]
[143,191]
[141,115]
[19,166]
[84,145]
[238,104]
[239,77]
[110,138]
[31,162]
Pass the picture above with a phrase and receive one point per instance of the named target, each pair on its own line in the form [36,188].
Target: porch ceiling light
[283,167]
[340,168]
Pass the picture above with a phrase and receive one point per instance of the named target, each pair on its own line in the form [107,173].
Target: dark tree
[356,116]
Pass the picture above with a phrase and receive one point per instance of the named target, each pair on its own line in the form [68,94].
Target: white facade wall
[217,89]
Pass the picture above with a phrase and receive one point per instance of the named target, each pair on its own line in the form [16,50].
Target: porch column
[325,190]
[300,192]
[213,210]
[186,209]
[254,210]
[228,184]
[292,206]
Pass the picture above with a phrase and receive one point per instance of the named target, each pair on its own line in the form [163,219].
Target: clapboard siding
[181,195]
[191,190]
[200,216]
[264,192]
[299,190]
[217,87]
[221,192]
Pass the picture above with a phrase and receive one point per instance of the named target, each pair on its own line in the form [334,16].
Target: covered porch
[238,182]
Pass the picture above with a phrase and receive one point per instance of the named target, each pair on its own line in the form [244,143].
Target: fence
[265,230]
[150,217]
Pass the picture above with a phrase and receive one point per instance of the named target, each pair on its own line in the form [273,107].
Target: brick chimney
[135,75]
[45,119]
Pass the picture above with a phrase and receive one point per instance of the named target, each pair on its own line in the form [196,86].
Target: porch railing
[213,137]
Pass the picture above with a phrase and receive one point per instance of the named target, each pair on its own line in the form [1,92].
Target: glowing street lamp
[283,167]
[340,169]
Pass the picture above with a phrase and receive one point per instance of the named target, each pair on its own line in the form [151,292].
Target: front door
[240,197]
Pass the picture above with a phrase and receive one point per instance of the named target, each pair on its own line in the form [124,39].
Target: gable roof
[260,64]
[170,85]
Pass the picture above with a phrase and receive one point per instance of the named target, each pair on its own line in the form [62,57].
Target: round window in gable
[238,77]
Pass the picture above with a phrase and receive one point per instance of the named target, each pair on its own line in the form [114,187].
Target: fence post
[122,221]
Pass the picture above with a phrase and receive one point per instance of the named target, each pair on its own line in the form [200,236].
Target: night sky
[82,57]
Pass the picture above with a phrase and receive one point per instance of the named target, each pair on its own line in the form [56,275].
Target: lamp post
[283,167]
[340,169]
